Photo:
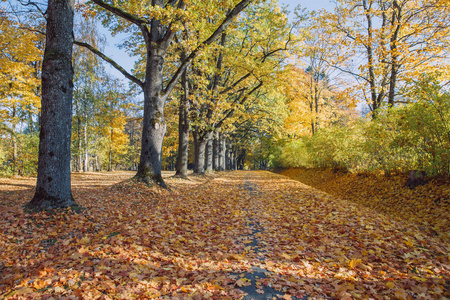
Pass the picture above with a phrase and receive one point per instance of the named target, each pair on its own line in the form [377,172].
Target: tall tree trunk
[396,19]
[200,147]
[370,59]
[316,105]
[222,150]
[183,130]
[209,151]
[53,177]
[195,137]
[110,152]
[216,150]
[154,124]
[80,152]
[14,142]
[86,156]
[227,156]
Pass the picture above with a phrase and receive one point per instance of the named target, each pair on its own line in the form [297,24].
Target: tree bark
[183,130]
[80,155]
[370,60]
[154,124]
[395,21]
[199,148]
[53,179]
[216,150]
[195,136]
[86,156]
[222,149]
[14,142]
[209,151]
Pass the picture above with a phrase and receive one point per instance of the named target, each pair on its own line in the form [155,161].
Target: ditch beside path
[231,235]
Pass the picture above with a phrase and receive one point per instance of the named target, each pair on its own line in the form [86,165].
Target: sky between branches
[127,62]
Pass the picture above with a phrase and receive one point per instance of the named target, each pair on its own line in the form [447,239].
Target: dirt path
[236,235]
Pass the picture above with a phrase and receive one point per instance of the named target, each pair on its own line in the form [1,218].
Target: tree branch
[228,19]
[231,111]
[123,14]
[111,62]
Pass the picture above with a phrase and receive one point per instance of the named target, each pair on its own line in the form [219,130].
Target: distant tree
[19,83]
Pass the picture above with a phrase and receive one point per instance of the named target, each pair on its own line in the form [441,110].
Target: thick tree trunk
[199,153]
[53,179]
[209,151]
[154,124]
[183,130]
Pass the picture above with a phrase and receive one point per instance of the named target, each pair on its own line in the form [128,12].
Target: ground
[233,235]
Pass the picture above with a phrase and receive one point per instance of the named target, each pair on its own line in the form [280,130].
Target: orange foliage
[427,207]
[212,238]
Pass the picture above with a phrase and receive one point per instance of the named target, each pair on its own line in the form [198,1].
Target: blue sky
[309,4]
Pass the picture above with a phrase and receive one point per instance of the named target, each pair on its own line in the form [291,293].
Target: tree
[53,188]
[230,79]
[89,79]
[157,22]
[19,81]
[383,43]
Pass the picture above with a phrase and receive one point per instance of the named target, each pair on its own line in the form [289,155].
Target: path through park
[236,235]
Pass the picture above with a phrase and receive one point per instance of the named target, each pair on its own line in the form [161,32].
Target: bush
[414,136]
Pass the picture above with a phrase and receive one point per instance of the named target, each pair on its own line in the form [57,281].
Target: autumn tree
[88,79]
[112,141]
[156,23]
[382,43]
[246,59]
[53,188]
[20,56]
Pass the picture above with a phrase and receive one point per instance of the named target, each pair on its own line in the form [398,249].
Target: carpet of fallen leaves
[426,207]
[207,237]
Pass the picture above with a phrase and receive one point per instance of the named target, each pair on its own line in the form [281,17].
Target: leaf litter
[210,238]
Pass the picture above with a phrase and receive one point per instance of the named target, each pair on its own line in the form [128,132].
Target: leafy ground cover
[230,236]
[426,207]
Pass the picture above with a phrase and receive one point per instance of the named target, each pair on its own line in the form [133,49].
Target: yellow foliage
[19,68]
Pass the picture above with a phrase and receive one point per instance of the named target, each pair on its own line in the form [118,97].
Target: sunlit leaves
[19,79]
[140,242]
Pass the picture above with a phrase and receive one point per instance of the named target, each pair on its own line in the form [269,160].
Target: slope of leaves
[204,238]
[426,207]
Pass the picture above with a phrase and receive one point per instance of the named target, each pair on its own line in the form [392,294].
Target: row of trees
[390,55]
[222,74]
[254,93]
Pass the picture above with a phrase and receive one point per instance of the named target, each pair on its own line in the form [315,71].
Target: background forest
[364,87]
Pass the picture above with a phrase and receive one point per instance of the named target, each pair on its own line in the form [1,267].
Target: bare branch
[121,13]
[111,62]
